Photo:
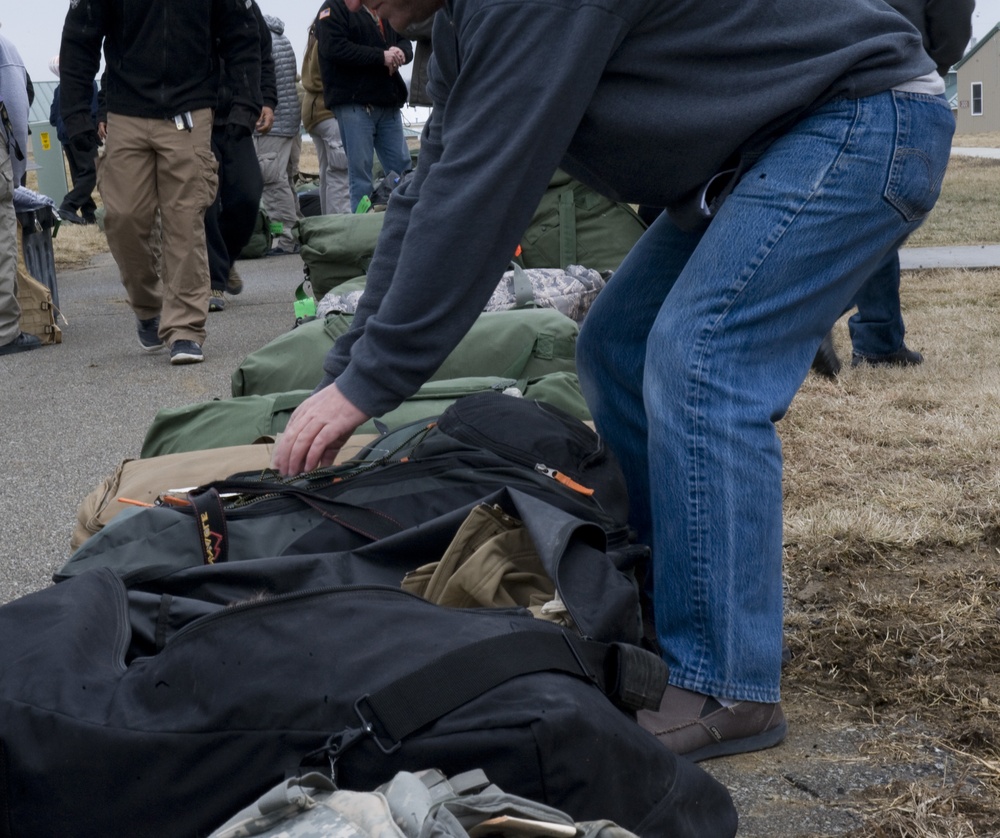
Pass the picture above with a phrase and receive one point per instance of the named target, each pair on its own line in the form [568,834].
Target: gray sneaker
[186,352]
[698,727]
[149,337]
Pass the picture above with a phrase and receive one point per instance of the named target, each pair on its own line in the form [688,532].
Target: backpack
[261,238]
[574,225]
[521,345]
[38,314]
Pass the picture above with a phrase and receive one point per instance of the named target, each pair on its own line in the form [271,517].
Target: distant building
[977,91]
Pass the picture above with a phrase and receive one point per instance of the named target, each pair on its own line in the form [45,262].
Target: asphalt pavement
[71,412]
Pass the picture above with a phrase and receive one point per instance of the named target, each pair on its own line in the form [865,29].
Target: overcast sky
[35,26]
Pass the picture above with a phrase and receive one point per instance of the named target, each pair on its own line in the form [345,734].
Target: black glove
[85,143]
[236,131]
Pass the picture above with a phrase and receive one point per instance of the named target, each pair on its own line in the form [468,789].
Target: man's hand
[318,429]
[102,131]
[85,143]
[394,58]
[266,120]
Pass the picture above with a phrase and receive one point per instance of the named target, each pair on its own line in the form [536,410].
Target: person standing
[77,206]
[766,131]
[359,58]
[319,121]
[14,135]
[162,83]
[876,328]
[276,150]
[230,220]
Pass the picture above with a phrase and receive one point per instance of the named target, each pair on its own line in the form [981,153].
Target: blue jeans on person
[877,326]
[368,128]
[699,342]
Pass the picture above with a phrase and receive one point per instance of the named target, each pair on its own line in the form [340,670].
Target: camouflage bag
[410,805]
[571,290]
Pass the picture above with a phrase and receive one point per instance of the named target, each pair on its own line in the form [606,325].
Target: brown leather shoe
[698,727]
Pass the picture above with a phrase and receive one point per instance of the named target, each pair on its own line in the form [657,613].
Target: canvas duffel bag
[575,225]
[142,481]
[246,419]
[337,247]
[163,710]
[508,344]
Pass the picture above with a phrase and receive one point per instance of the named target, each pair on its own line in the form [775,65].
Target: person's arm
[949,28]
[335,44]
[79,61]
[235,28]
[500,127]
[268,77]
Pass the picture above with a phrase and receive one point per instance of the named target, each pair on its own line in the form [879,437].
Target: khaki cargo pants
[149,164]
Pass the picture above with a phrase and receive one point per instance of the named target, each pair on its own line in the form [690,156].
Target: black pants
[83,172]
[230,220]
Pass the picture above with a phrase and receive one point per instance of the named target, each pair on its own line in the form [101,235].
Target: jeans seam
[697,535]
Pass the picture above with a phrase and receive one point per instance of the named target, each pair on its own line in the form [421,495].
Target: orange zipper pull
[568,482]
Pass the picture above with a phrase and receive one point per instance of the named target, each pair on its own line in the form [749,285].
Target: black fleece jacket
[162,58]
[351,49]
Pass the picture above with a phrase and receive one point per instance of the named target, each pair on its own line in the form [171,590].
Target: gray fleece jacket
[644,100]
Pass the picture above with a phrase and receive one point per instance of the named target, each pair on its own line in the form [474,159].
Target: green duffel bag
[574,225]
[519,344]
[244,420]
[261,239]
[337,247]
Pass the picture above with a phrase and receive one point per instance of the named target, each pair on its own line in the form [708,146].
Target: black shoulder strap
[630,676]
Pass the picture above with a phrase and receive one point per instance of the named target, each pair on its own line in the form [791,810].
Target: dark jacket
[351,58]
[55,114]
[420,33]
[162,58]
[268,80]
[945,25]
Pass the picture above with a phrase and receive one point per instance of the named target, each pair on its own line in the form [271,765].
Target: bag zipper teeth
[363,468]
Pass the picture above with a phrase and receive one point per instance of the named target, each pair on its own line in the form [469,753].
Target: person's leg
[126,179]
[877,328]
[241,187]
[357,133]
[186,180]
[218,256]
[10,310]
[278,199]
[724,354]
[390,142]
[334,185]
[83,173]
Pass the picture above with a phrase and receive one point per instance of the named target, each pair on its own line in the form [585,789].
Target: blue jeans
[699,342]
[364,129]
[877,326]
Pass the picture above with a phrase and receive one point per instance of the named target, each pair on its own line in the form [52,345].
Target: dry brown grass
[892,536]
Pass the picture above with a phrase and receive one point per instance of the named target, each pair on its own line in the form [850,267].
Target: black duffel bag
[161,712]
